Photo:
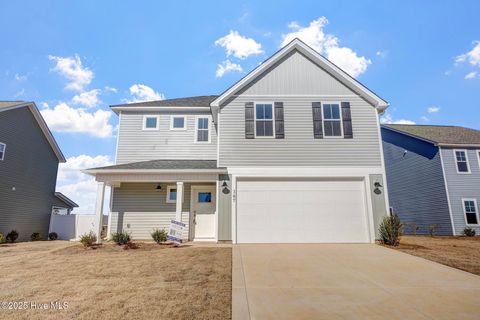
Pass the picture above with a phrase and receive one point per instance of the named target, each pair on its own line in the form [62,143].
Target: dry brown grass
[459,252]
[151,282]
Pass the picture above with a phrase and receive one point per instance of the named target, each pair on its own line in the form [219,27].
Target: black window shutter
[347,121]
[317,120]
[249,120]
[279,121]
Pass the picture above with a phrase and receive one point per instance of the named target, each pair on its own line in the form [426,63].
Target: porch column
[178,211]
[99,210]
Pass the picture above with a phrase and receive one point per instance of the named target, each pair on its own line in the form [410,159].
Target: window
[204,197]
[461,159]
[178,123]
[171,194]
[150,123]
[470,210]
[202,130]
[264,120]
[332,122]
[3,146]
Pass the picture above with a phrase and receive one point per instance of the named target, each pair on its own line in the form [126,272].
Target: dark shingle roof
[164,164]
[199,101]
[440,134]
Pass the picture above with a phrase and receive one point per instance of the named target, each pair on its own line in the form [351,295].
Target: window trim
[184,123]
[4,150]
[144,127]
[255,120]
[208,128]
[340,120]
[169,188]
[465,211]
[456,161]
[478,157]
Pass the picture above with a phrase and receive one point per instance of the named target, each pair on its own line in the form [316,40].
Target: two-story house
[290,153]
[29,158]
[433,175]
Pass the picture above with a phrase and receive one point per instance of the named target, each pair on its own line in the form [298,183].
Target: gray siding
[415,182]
[135,144]
[138,208]
[225,208]
[30,165]
[378,202]
[461,186]
[297,82]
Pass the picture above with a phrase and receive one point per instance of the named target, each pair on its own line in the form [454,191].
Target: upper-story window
[178,123]
[202,130]
[150,123]
[332,121]
[461,159]
[3,146]
[264,120]
[471,211]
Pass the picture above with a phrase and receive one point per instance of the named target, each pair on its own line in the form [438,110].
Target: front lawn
[458,252]
[151,282]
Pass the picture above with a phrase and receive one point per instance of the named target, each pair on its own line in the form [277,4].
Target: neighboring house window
[471,211]
[202,127]
[332,121]
[178,123]
[150,123]
[204,197]
[3,146]
[461,159]
[171,194]
[264,120]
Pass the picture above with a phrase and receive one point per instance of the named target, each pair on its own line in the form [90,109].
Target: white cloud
[381,54]
[141,92]
[328,45]
[20,93]
[63,118]
[88,99]
[111,89]
[239,46]
[471,75]
[227,66]
[78,186]
[425,119]
[433,109]
[72,69]
[20,77]
[388,119]
[44,105]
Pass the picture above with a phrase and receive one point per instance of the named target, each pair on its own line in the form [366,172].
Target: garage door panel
[301,211]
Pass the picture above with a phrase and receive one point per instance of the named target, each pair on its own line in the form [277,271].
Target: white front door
[203,211]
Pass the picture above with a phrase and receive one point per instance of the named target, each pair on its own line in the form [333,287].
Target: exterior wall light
[377,186]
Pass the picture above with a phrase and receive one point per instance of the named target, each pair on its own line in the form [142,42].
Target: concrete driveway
[347,281]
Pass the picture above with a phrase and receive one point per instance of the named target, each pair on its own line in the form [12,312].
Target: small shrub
[2,238]
[390,230]
[88,239]
[159,236]
[469,232]
[432,229]
[413,227]
[53,236]
[12,236]
[121,237]
[35,236]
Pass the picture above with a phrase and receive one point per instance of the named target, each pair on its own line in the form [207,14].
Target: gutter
[93,172]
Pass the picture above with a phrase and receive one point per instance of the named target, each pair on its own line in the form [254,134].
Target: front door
[203,211]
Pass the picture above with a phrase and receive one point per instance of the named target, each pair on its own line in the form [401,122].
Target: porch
[147,195]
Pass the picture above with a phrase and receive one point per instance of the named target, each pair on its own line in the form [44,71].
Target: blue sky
[74,59]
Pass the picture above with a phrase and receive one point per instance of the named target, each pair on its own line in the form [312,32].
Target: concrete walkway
[347,281]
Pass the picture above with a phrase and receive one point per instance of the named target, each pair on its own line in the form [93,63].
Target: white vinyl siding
[135,144]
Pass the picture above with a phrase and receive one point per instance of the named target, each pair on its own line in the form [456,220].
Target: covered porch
[147,195]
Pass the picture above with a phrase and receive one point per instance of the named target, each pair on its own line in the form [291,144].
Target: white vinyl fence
[72,226]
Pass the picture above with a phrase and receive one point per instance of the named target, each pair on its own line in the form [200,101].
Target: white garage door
[285,211]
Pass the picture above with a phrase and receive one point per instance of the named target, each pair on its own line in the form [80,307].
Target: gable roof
[188,102]
[11,105]
[439,135]
[66,200]
[323,62]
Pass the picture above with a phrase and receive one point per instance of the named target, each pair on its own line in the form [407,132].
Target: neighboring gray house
[29,158]
[290,153]
[433,175]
